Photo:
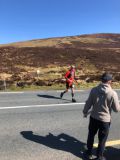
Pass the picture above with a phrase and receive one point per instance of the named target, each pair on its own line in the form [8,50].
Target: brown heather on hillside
[92,54]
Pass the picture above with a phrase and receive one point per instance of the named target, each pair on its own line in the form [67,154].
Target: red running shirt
[70,76]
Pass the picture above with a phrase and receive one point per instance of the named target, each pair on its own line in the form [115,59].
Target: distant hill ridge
[58,41]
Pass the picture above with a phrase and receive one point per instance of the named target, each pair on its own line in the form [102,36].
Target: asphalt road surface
[41,126]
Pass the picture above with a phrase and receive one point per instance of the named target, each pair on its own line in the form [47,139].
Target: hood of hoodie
[104,88]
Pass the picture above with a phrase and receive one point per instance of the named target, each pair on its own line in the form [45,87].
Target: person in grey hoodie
[101,101]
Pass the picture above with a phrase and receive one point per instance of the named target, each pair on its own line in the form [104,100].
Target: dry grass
[92,55]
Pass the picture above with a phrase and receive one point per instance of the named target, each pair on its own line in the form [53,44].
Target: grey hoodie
[102,100]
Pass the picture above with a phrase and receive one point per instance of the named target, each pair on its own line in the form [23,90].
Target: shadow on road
[67,143]
[112,153]
[62,142]
[51,97]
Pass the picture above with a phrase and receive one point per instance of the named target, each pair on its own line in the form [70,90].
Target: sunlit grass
[80,86]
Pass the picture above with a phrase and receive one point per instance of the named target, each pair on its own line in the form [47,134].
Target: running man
[70,78]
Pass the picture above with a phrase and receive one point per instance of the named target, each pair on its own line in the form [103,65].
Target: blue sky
[22,20]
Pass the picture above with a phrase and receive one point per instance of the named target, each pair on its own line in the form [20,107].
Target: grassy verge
[81,86]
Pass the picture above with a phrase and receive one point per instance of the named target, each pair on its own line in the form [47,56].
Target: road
[41,126]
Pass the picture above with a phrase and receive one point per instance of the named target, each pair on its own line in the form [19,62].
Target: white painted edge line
[56,91]
[70,91]
[44,105]
[11,92]
[83,90]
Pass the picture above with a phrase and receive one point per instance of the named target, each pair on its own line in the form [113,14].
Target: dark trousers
[103,129]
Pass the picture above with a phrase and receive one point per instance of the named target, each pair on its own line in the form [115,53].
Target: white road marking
[70,91]
[11,92]
[44,105]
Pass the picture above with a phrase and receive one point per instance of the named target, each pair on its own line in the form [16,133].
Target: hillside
[91,54]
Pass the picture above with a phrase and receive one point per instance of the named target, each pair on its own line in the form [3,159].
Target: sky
[22,20]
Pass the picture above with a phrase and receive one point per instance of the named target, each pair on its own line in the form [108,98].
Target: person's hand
[76,81]
[85,115]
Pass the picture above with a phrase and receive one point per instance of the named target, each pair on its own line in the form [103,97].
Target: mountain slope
[90,53]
